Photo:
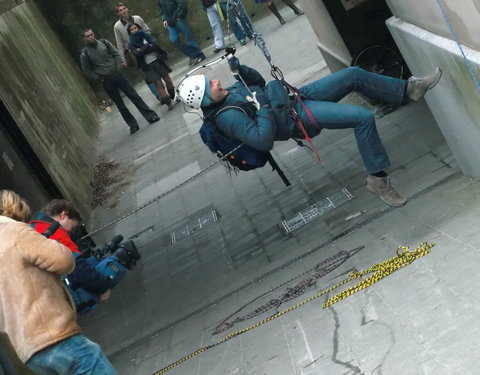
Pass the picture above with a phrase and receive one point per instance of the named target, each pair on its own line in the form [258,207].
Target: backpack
[238,155]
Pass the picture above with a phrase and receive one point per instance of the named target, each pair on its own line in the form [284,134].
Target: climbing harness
[403,258]
[457,40]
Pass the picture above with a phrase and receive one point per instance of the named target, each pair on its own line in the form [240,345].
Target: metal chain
[321,269]
[381,270]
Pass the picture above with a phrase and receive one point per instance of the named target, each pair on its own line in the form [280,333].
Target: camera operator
[91,280]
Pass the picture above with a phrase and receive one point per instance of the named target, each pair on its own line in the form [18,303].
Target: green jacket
[172,10]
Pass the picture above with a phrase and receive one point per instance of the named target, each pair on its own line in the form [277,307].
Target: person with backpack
[100,61]
[278,116]
[151,61]
[37,313]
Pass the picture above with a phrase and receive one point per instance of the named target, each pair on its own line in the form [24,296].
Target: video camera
[126,252]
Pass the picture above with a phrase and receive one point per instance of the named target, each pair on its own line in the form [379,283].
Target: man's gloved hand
[258,100]
[234,64]
[262,99]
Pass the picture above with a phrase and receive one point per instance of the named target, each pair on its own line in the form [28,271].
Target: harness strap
[305,134]
[277,168]
[298,98]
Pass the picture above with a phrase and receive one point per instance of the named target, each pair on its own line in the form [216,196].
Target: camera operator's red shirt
[60,235]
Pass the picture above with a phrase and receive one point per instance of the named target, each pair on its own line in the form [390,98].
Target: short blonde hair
[14,206]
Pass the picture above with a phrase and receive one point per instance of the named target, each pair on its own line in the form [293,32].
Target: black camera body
[126,252]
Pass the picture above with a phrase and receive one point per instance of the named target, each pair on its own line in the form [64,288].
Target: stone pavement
[419,320]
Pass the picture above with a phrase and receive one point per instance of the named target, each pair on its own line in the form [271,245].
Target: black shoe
[154,118]
[134,129]
[198,59]
[217,50]
[171,93]
[191,61]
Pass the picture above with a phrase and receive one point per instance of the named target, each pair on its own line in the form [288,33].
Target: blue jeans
[86,301]
[326,92]
[76,355]
[191,48]
[241,26]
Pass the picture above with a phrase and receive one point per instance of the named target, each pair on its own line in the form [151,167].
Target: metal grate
[316,210]
[194,227]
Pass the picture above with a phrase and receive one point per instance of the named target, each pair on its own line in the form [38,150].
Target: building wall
[425,41]
[330,42]
[50,101]
[464,16]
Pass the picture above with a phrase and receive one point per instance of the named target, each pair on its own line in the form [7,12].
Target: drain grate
[194,227]
[316,210]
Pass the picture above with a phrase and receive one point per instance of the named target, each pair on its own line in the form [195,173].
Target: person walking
[101,61]
[37,312]
[241,27]
[277,118]
[174,15]
[210,7]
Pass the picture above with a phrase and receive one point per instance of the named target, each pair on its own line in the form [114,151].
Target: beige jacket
[36,310]
[121,34]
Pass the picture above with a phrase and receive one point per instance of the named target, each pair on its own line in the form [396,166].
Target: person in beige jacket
[36,311]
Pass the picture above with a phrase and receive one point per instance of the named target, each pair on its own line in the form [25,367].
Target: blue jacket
[271,124]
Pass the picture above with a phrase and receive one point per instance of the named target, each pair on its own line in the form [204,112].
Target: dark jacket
[100,60]
[84,275]
[271,124]
[146,48]
[172,10]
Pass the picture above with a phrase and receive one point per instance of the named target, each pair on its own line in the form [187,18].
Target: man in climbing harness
[311,108]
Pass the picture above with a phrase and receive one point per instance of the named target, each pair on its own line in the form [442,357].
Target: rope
[457,40]
[156,198]
[403,258]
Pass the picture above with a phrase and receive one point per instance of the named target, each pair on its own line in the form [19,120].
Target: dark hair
[131,24]
[57,206]
[120,5]
[84,31]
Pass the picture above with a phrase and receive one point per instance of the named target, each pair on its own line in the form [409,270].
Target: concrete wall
[423,36]
[464,16]
[45,93]
[454,101]
[330,43]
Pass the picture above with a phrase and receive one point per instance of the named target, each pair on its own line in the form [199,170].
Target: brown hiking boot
[418,86]
[383,187]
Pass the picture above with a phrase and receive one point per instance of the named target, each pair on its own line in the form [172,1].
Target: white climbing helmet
[192,89]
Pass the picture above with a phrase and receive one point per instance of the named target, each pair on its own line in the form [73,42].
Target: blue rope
[454,34]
